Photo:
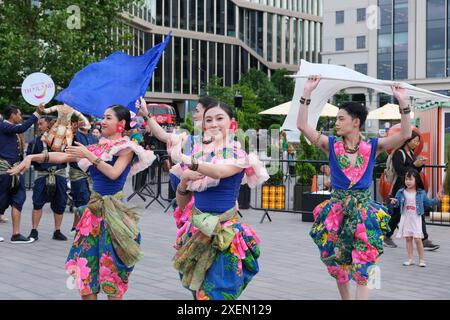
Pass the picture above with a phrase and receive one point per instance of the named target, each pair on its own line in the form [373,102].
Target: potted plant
[305,172]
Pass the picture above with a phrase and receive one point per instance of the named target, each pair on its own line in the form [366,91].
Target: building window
[361,42]
[400,39]
[195,66]
[287,26]
[200,16]
[220,17]
[279,27]
[175,14]
[269,36]
[210,16]
[361,14]
[384,65]
[192,15]
[339,17]
[436,38]
[361,67]
[339,44]
[231,16]
[183,14]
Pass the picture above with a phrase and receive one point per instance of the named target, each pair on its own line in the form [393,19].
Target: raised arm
[152,126]
[309,132]
[7,127]
[396,141]
[50,110]
[86,125]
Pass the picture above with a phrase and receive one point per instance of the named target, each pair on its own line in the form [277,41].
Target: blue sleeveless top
[105,186]
[339,180]
[220,198]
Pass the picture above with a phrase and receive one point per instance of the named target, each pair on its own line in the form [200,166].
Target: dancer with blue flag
[107,239]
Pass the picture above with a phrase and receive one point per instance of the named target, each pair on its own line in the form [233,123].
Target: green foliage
[274,126]
[38,39]
[276,179]
[259,92]
[247,117]
[305,171]
[188,124]
[341,97]
[284,85]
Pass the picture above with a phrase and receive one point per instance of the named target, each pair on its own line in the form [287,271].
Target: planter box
[244,197]
[298,195]
[309,202]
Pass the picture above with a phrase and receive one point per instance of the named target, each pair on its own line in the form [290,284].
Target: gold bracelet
[182,193]
[318,138]
[46,156]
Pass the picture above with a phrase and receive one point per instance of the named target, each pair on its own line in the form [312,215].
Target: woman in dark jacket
[403,159]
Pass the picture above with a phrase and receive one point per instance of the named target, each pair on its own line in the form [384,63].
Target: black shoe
[20,239]
[57,235]
[389,243]
[34,234]
[430,246]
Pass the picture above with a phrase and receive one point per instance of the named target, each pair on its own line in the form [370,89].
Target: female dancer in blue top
[106,244]
[349,228]
[218,255]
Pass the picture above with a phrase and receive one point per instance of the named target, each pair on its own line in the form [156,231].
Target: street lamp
[238,100]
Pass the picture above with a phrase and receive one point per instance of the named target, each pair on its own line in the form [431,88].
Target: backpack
[389,173]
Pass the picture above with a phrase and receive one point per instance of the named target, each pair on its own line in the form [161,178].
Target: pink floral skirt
[92,260]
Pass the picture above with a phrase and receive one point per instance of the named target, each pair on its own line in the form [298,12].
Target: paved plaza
[289,264]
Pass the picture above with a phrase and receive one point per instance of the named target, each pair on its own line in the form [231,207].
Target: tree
[57,37]
[248,116]
[284,85]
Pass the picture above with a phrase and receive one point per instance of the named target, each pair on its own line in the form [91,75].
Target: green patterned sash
[199,252]
[122,225]
[4,167]
[77,175]
[350,200]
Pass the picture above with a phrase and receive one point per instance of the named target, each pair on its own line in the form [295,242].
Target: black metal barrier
[149,182]
[291,195]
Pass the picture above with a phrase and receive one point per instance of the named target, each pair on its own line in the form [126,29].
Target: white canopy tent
[387,112]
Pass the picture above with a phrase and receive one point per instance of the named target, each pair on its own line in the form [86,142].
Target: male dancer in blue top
[12,188]
[50,185]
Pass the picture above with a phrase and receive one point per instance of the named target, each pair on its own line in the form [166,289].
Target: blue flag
[117,79]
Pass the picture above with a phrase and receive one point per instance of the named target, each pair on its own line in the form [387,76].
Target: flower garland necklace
[354,149]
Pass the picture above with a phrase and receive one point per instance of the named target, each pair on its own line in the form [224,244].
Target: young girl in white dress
[412,200]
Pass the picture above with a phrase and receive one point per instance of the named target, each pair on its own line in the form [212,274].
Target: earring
[120,128]
[233,125]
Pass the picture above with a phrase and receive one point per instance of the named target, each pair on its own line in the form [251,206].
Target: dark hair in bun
[122,113]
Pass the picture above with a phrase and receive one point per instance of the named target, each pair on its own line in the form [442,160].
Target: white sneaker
[1,239]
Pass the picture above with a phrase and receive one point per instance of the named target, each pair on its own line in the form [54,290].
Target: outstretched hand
[21,168]
[393,200]
[79,151]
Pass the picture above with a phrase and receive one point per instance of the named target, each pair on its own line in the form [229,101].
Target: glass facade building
[225,38]
[393,40]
